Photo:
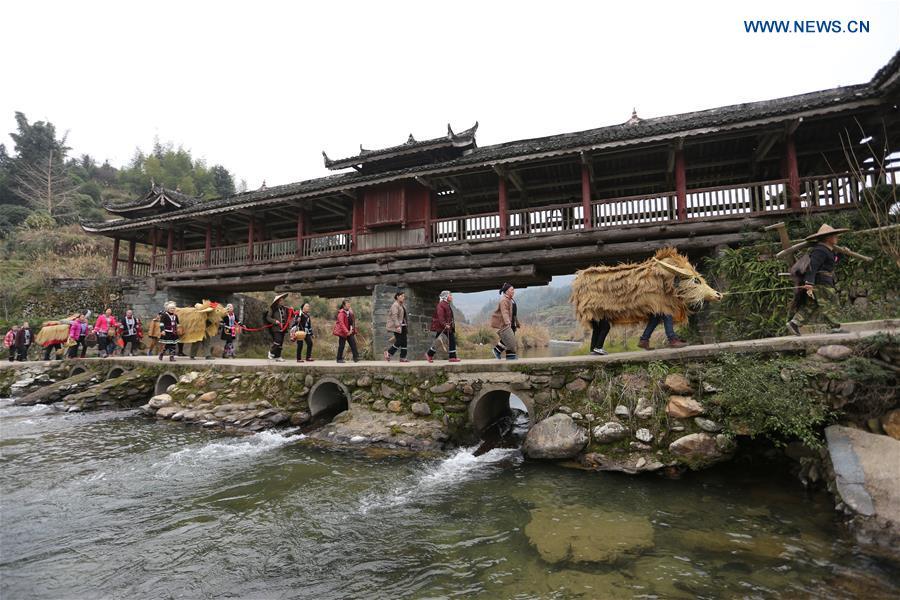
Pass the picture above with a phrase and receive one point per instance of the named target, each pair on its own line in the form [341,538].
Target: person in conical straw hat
[277,319]
[816,297]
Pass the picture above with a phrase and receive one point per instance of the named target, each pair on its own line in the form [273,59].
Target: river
[113,505]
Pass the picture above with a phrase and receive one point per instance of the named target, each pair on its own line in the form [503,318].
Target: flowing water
[114,505]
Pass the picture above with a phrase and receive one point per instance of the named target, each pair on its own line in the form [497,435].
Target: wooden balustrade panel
[327,244]
[634,210]
[545,220]
[391,238]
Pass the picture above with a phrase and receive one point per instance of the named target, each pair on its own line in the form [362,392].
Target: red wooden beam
[132,246]
[358,208]
[791,172]
[680,187]
[207,250]
[250,234]
[170,245]
[115,257]
[586,196]
[502,205]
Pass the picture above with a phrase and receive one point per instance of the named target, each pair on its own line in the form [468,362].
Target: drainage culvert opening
[163,382]
[77,371]
[326,399]
[500,419]
[115,372]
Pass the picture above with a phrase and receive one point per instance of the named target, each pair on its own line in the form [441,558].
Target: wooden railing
[634,210]
[227,255]
[547,219]
[466,228]
[761,197]
[140,269]
[338,242]
[765,197]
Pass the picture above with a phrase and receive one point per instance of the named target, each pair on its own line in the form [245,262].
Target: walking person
[24,338]
[506,322]
[168,325]
[345,330]
[443,323]
[131,333]
[9,342]
[78,331]
[652,323]
[153,332]
[599,331]
[303,323]
[277,318]
[398,324]
[816,296]
[105,328]
[229,327]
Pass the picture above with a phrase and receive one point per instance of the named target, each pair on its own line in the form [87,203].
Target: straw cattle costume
[666,284]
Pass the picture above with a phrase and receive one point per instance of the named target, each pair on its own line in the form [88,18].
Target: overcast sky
[264,87]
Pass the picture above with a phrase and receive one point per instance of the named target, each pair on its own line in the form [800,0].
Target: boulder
[683,407]
[581,534]
[643,434]
[622,412]
[166,412]
[208,397]
[279,418]
[610,432]
[395,406]
[555,437]
[577,386]
[160,400]
[379,405]
[300,418]
[678,384]
[700,448]
[189,377]
[564,409]
[890,422]
[421,409]
[707,425]
[644,408]
[387,391]
[364,381]
[835,352]
[442,388]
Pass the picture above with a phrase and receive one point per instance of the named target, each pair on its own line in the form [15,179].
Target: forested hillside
[46,187]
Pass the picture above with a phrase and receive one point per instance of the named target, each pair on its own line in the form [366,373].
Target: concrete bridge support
[420,305]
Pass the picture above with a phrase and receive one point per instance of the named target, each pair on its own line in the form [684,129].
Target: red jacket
[342,327]
[10,339]
[443,317]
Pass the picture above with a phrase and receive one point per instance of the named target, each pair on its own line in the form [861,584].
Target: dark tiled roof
[463,139]
[632,132]
[156,196]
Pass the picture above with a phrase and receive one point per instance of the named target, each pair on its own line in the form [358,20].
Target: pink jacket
[10,339]
[103,325]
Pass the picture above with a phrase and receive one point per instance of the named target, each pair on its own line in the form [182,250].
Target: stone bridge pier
[420,305]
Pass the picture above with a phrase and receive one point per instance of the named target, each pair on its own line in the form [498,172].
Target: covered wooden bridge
[446,213]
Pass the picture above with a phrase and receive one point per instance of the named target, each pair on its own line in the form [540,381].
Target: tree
[222,181]
[45,186]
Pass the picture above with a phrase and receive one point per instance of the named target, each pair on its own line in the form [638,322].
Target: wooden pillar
[791,172]
[170,245]
[586,197]
[356,224]
[153,241]
[502,204]
[115,257]
[250,234]
[680,187]
[132,246]
[301,222]
[429,216]
[207,250]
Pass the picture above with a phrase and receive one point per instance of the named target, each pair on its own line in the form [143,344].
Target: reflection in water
[110,504]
